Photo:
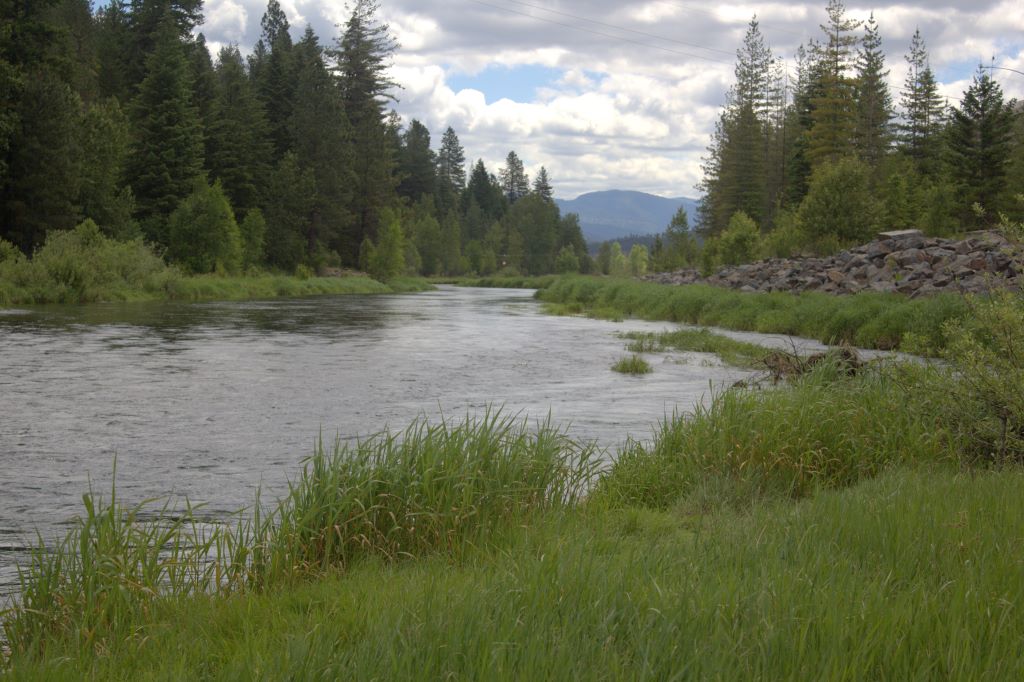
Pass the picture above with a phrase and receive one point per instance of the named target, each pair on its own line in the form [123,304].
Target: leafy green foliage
[387,260]
[203,233]
[839,209]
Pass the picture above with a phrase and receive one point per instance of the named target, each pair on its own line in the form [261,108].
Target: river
[211,400]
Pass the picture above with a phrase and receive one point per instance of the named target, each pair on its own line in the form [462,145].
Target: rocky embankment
[905,262]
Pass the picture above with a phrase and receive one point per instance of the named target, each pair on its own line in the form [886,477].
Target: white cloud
[628,110]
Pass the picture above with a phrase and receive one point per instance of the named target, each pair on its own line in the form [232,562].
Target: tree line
[291,158]
[831,156]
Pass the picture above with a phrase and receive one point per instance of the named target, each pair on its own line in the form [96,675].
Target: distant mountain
[618,213]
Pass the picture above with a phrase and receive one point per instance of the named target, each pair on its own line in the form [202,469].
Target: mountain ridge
[614,213]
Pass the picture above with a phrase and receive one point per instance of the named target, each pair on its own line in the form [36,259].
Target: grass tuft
[634,364]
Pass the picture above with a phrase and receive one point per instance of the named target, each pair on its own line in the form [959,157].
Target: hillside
[617,213]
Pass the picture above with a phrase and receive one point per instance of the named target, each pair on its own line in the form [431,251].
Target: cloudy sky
[616,94]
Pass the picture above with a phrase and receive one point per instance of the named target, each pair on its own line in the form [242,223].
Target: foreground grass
[915,575]
[868,320]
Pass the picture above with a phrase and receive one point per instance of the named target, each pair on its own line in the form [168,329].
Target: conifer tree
[362,59]
[835,109]
[923,110]
[542,186]
[873,131]
[237,140]
[167,154]
[288,214]
[514,182]
[113,41]
[272,73]
[416,163]
[979,147]
[321,132]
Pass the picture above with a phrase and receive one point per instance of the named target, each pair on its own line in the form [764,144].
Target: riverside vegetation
[842,526]
[84,266]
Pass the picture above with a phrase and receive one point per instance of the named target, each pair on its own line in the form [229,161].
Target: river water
[211,400]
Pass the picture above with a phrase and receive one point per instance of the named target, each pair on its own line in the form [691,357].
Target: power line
[622,28]
[691,8]
[600,33]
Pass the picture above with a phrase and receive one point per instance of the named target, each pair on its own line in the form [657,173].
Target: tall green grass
[633,364]
[869,320]
[825,430]
[915,575]
[434,488]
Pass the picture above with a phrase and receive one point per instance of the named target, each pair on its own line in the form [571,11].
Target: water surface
[211,400]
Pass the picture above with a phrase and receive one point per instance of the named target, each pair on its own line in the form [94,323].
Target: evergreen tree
[542,186]
[204,84]
[321,132]
[43,163]
[514,182]
[148,21]
[104,139]
[167,154]
[237,140]
[923,110]
[834,115]
[416,163]
[536,222]
[288,214]
[488,199]
[362,61]
[873,130]
[979,147]
[451,172]
[272,74]
[113,50]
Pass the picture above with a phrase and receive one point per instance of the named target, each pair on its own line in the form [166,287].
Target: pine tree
[167,154]
[147,22]
[272,73]
[44,163]
[113,41]
[514,182]
[237,141]
[488,200]
[288,214]
[923,110]
[542,186]
[451,162]
[322,133]
[362,60]
[873,131]
[835,109]
[417,164]
[979,147]
[104,139]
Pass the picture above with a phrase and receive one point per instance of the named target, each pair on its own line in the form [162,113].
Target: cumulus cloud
[640,83]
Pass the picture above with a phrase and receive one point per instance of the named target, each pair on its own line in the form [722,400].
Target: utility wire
[691,8]
[600,33]
[622,28]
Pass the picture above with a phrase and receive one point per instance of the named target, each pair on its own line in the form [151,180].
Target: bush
[787,240]
[81,266]
[840,208]
[567,261]
[739,243]
[203,234]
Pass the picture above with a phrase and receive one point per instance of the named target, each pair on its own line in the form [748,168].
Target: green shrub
[739,243]
[81,266]
[839,208]
[203,234]
[253,233]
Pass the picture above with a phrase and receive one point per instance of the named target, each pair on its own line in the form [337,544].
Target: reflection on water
[211,400]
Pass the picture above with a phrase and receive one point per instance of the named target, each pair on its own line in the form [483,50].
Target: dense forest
[290,159]
[832,156]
